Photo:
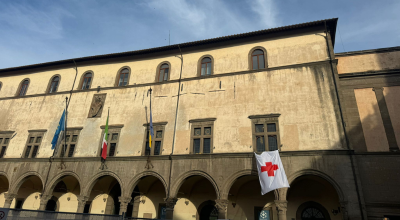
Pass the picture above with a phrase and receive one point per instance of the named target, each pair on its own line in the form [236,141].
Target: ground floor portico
[218,186]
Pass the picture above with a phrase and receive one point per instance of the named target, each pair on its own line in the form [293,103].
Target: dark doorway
[312,210]
[208,211]
[51,205]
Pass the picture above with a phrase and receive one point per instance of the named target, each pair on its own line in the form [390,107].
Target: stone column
[81,203]
[170,203]
[43,201]
[222,206]
[123,204]
[8,199]
[281,206]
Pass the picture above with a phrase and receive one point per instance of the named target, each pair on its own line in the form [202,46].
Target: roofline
[361,52]
[331,23]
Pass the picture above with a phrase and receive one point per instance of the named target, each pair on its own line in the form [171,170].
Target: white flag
[270,171]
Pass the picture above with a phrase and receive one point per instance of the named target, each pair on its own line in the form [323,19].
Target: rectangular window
[33,143]
[4,141]
[156,141]
[265,132]
[68,145]
[113,136]
[202,136]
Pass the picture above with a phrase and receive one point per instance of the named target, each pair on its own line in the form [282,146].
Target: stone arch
[119,73]
[250,58]
[17,183]
[132,184]
[319,174]
[6,176]
[179,181]
[51,80]
[58,178]
[82,78]
[321,208]
[231,180]
[95,178]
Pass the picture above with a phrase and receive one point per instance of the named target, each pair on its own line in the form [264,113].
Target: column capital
[124,200]
[82,199]
[222,204]
[281,205]
[170,202]
[81,203]
[9,196]
[123,203]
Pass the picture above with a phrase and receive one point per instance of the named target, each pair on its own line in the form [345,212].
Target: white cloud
[46,23]
[266,11]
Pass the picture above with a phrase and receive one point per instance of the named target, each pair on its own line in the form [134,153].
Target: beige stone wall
[368,62]
[371,120]
[302,95]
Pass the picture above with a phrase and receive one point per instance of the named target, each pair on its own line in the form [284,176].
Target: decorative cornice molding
[273,115]
[370,73]
[7,132]
[37,130]
[156,123]
[202,120]
[112,126]
[361,52]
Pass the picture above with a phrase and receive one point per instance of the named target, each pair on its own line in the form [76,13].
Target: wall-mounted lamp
[186,201]
[234,204]
[143,199]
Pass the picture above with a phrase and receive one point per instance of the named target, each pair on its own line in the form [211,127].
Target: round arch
[312,204]
[95,178]
[20,84]
[231,180]
[132,184]
[51,80]
[179,181]
[83,76]
[118,74]
[324,176]
[158,70]
[4,175]
[17,183]
[199,64]
[265,56]
[58,178]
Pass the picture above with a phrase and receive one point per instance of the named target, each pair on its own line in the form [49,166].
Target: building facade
[214,103]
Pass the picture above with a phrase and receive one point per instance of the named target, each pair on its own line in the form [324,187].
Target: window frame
[200,62]
[265,119]
[21,84]
[112,129]
[1,85]
[3,136]
[201,123]
[159,69]
[33,134]
[70,131]
[158,126]
[250,58]
[48,90]
[83,80]
[119,76]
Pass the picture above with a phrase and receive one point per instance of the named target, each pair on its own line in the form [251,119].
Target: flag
[60,128]
[105,138]
[270,171]
[151,126]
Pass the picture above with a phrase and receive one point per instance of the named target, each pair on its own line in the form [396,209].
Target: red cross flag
[270,171]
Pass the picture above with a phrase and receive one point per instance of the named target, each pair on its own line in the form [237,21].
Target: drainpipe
[343,124]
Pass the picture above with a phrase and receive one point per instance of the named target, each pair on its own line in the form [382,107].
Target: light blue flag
[60,128]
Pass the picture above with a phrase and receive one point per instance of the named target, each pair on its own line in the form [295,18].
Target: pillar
[43,201]
[281,206]
[222,206]
[135,211]
[8,199]
[123,204]
[170,203]
[81,203]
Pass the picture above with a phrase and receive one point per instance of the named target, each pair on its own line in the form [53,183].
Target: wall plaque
[96,108]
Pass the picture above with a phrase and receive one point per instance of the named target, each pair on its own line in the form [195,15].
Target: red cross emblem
[269,168]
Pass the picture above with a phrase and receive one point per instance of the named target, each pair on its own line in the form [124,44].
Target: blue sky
[37,31]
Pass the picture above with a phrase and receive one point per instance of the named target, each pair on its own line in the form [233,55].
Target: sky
[38,31]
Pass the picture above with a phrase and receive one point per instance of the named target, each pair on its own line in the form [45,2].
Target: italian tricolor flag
[105,138]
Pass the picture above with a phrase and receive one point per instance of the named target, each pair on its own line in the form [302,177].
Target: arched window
[1,84]
[123,77]
[23,88]
[54,84]
[87,80]
[163,73]
[257,59]
[312,213]
[206,66]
